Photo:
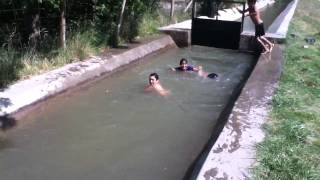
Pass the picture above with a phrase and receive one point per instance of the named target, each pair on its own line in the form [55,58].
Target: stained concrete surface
[233,154]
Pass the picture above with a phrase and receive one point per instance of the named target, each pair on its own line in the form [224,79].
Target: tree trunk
[63,24]
[172,10]
[188,6]
[120,22]
[35,35]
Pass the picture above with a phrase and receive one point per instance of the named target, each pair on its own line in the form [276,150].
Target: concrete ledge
[181,32]
[276,32]
[281,24]
[181,37]
[40,87]
[233,154]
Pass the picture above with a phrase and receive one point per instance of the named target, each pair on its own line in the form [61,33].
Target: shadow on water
[5,143]
[194,169]
[7,122]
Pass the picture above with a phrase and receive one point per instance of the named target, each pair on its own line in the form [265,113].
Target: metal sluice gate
[208,30]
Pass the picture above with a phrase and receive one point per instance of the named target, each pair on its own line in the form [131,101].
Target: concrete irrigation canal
[93,119]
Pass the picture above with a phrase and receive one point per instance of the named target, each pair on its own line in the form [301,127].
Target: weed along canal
[114,130]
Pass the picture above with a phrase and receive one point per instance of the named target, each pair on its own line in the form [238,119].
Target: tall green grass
[151,21]
[20,64]
[10,65]
[16,65]
[291,149]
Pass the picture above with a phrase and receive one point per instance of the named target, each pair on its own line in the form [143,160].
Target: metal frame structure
[214,32]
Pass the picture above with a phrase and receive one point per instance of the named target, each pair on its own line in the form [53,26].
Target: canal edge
[29,92]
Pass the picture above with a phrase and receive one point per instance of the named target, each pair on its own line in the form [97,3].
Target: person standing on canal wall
[259,26]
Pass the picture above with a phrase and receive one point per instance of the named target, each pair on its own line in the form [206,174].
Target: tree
[63,24]
[172,10]
[119,23]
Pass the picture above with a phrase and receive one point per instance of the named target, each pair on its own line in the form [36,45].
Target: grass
[10,65]
[16,65]
[20,65]
[152,21]
[292,144]
[79,47]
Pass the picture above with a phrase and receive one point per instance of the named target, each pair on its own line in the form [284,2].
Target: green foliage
[79,46]
[107,15]
[151,21]
[16,18]
[91,26]
[9,66]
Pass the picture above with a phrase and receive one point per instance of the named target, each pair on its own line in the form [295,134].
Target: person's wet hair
[183,60]
[155,75]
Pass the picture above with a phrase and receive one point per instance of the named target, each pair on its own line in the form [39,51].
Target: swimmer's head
[184,64]
[183,61]
[153,78]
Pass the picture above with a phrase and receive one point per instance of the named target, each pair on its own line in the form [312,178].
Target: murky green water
[114,130]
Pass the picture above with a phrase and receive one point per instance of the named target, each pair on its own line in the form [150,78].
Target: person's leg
[270,44]
[265,48]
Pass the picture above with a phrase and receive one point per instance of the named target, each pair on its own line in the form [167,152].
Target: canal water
[112,129]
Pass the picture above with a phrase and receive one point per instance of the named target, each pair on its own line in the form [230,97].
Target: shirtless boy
[154,85]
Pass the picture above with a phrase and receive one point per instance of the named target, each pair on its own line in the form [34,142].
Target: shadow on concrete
[7,122]
[5,102]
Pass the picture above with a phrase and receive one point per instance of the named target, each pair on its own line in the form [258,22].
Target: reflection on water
[114,130]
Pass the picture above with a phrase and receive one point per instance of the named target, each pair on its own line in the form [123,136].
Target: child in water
[155,85]
[185,68]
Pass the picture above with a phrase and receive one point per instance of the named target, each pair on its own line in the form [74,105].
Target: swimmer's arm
[173,69]
[202,73]
[196,69]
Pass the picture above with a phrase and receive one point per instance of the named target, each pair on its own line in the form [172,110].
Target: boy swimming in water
[155,85]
